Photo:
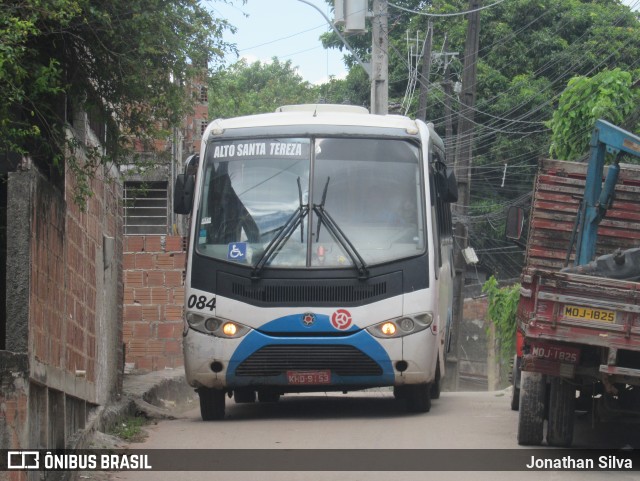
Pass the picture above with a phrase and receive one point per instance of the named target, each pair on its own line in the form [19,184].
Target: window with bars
[145,208]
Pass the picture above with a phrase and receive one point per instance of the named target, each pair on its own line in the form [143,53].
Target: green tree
[244,89]
[503,305]
[355,89]
[123,60]
[529,49]
[608,95]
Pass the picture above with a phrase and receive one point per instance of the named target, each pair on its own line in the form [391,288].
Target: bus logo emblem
[308,319]
[341,319]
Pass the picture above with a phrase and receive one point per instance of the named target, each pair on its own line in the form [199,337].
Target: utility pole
[448,92]
[426,72]
[462,167]
[380,59]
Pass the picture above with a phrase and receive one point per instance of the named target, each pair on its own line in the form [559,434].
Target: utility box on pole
[352,14]
[355,13]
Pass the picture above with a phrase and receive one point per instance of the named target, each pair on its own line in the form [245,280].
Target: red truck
[579,327]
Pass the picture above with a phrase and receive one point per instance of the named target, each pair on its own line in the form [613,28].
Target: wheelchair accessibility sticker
[237,251]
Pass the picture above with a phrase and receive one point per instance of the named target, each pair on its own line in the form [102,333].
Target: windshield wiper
[325,218]
[283,235]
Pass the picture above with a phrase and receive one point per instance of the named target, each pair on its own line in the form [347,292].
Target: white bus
[320,257]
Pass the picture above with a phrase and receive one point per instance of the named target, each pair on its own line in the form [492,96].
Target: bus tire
[533,387]
[212,403]
[562,401]
[436,385]
[400,392]
[418,397]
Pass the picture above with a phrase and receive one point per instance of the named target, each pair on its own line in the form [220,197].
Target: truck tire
[212,403]
[533,387]
[562,401]
[515,384]
[418,398]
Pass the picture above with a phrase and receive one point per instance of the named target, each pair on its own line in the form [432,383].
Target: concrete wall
[473,366]
[63,351]
[153,301]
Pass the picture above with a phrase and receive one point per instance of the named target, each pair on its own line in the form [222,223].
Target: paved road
[372,420]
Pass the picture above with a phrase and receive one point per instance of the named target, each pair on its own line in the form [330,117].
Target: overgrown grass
[130,429]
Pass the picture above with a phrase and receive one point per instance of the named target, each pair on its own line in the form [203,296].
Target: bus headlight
[402,326]
[388,329]
[216,327]
[230,329]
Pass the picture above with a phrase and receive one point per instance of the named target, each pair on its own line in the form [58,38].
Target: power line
[455,14]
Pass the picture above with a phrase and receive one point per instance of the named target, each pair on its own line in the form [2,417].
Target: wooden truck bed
[574,322]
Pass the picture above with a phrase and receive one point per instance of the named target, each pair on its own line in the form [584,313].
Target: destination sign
[263,148]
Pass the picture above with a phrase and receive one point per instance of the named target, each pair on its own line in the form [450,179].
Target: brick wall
[48,301]
[66,322]
[67,276]
[153,300]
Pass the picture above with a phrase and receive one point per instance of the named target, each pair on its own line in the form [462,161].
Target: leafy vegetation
[608,95]
[503,304]
[262,87]
[529,51]
[123,61]
[244,89]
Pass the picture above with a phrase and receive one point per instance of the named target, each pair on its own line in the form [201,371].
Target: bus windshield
[269,201]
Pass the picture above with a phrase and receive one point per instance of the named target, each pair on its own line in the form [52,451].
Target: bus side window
[435,216]
[441,180]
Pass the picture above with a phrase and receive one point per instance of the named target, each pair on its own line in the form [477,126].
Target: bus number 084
[200,302]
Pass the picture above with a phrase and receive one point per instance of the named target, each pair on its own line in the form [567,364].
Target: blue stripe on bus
[359,339]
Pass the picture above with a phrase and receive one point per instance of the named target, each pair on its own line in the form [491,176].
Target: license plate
[308,377]
[556,353]
[589,314]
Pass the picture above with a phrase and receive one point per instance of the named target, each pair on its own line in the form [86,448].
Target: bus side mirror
[183,193]
[515,223]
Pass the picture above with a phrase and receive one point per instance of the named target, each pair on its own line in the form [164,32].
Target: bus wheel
[212,403]
[400,392]
[562,402]
[435,387]
[418,398]
[533,395]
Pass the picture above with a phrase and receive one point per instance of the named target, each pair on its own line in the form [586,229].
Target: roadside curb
[154,395]
[159,394]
